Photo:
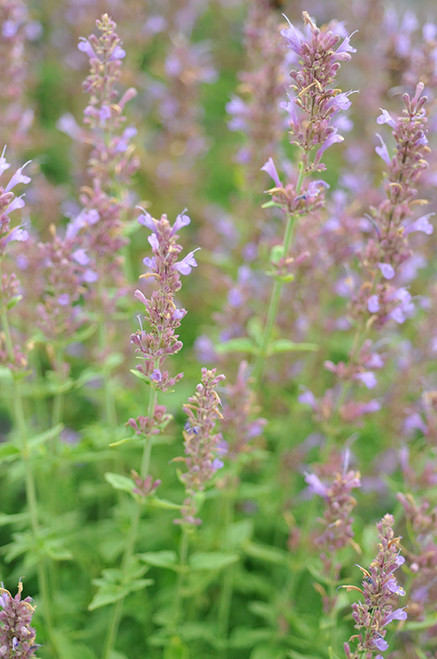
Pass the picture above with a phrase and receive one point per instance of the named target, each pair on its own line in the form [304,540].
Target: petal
[270,168]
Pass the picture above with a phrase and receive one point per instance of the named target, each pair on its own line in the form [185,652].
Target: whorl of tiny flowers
[112,160]
[161,314]
[10,355]
[16,119]
[203,447]
[111,154]
[381,591]
[337,521]
[240,424]
[253,110]
[67,276]
[391,220]
[17,637]
[315,104]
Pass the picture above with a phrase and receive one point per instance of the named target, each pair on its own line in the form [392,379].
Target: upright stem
[275,297]
[225,601]
[30,488]
[132,537]
[183,555]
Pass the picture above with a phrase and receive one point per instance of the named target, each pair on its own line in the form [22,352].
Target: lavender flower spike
[17,637]
[379,588]
[161,313]
[202,445]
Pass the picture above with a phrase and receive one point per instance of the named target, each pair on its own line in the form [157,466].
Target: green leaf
[164,558]
[332,654]
[238,533]
[163,504]
[247,637]
[271,203]
[8,451]
[5,373]
[119,482]
[176,649]
[241,344]
[266,651]
[13,519]
[140,375]
[255,330]
[266,553]
[276,253]
[284,345]
[114,586]
[13,301]
[214,560]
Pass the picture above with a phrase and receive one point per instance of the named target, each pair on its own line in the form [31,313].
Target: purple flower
[342,52]
[315,485]
[373,304]
[85,47]
[421,224]
[270,168]
[294,38]
[185,266]
[382,150]
[387,270]
[386,118]
[333,138]
[17,178]
[367,378]
[146,220]
[181,221]
[380,643]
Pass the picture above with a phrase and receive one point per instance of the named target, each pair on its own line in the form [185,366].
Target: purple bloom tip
[270,168]
[185,266]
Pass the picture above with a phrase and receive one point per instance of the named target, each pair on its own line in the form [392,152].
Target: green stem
[30,487]
[132,537]
[226,593]
[275,297]
[183,556]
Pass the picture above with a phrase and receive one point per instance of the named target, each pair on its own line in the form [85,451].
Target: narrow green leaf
[163,504]
[119,482]
[8,451]
[214,560]
[265,553]
[284,345]
[164,558]
[13,301]
[140,375]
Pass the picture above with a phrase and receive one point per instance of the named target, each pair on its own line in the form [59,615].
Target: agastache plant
[203,447]
[381,591]
[314,106]
[112,161]
[153,346]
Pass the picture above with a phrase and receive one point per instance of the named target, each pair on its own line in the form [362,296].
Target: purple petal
[331,139]
[373,304]
[399,614]
[154,242]
[270,168]
[146,220]
[189,262]
[294,38]
[315,485]
[81,257]
[118,53]
[382,150]
[367,378]
[386,118]
[85,47]
[17,178]
[18,233]
[387,270]
[182,220]
[345,48]
[421,224]
[156,375]
[380,643]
